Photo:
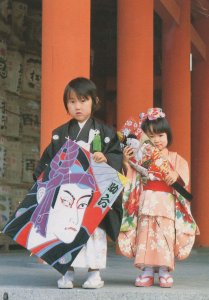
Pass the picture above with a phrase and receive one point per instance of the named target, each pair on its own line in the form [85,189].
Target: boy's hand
[99,157]
[171,177]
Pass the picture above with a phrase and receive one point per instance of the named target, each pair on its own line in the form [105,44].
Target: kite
[64,206]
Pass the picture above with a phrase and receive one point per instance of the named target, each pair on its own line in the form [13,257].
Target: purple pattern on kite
[58,175]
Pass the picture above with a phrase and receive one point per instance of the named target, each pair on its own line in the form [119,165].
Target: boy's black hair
[160,125]
[83,87]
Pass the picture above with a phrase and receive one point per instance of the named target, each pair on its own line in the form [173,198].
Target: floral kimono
[157,223]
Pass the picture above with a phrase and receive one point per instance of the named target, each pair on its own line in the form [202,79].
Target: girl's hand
[99,157]
[127,154]
[171,177]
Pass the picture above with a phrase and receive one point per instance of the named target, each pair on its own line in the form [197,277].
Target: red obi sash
[159,186]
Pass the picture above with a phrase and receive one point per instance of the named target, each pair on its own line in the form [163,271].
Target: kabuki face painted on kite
[71,203]
[63,199]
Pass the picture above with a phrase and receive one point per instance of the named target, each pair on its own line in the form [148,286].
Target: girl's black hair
[83,87]
[160,125]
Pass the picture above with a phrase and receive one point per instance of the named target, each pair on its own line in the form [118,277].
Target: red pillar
[176,80]
[65,55]
[134,58]
[200,141]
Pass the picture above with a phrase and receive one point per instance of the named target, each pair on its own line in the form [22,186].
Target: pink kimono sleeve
[182,167]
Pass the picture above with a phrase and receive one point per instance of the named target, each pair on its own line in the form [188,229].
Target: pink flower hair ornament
[152,114]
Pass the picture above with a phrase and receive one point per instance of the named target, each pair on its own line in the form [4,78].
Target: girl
[155,246]
[80,101]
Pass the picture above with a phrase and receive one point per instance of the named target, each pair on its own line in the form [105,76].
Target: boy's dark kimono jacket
[110,148]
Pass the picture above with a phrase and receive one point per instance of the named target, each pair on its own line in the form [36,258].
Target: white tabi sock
[163,272]
[69,276]
[147,272]
[94,275]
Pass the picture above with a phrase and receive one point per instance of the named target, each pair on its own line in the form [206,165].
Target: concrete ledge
[21,277]
[102,294]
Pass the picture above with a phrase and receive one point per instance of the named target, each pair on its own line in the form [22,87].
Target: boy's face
[79,109]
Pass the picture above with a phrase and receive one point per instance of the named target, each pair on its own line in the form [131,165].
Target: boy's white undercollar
[81,124]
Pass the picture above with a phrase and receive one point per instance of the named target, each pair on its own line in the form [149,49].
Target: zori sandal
[165,281]
[144,281]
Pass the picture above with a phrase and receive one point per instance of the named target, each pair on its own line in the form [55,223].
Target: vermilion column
[65,55]
[200,140]
[176,80]
[134,58]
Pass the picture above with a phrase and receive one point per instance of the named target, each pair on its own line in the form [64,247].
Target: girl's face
[79,108]
[160,140]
